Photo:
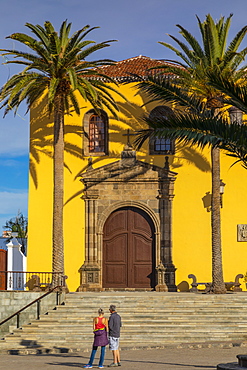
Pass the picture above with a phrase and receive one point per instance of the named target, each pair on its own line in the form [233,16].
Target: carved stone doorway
[129,250]
[140,258]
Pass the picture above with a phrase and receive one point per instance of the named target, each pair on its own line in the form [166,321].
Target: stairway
[150,319]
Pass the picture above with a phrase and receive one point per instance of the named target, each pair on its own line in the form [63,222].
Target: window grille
[96,134]
[158,145]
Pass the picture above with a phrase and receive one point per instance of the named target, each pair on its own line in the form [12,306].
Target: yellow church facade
[132,219]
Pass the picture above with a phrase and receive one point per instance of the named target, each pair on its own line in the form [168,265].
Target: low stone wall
[13,301]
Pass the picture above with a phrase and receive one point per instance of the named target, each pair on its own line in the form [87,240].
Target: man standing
[114,335]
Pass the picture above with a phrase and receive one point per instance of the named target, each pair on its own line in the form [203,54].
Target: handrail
[30,304]
[32,272]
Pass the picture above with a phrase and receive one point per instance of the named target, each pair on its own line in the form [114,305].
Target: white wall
[17,261]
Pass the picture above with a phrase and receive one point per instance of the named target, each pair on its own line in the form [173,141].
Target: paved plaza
[156,359]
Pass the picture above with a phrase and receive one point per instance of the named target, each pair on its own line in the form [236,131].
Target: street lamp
[222,189]
[236,115]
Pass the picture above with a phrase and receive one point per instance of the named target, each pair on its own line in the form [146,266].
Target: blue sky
[138,25]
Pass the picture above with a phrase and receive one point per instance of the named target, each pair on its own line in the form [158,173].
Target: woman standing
[100,328]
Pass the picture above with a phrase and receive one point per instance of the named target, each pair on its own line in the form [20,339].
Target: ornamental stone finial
[167,165]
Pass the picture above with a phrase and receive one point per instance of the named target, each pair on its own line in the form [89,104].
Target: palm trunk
[58,183]
[217,270]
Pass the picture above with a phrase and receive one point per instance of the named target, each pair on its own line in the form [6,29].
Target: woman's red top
[99,324]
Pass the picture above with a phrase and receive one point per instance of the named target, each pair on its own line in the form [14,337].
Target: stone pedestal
[241,365]
[160,278]
[90,281]
[170,277]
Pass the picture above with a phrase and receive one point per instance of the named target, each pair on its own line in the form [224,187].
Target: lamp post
[222,189]
[236,115]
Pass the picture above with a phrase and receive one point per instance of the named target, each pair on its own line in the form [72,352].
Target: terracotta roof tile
[137,65]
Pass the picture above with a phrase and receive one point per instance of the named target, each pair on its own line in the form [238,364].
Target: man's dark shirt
[114,325]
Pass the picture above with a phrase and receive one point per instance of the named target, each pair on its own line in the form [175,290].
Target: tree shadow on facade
[41,139]
[41,142]
[183,153]
[183,286]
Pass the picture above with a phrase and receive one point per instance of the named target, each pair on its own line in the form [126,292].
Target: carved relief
[242,233]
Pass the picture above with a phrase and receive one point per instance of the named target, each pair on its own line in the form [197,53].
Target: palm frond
[236,93]
[198,129]
[73,78]
[192,42]
[86,52]
[40,33]
[57,60]
[178,52]
[168,90]
[236,42]
[74,102]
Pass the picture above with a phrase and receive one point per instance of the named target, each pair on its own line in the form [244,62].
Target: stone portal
[141,195]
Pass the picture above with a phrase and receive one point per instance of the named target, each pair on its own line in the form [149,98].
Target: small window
[161,145]
[158,145]
[95,133]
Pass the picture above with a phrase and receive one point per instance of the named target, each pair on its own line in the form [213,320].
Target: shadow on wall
[41,138]
[41,141]
[134,121]
[183,286]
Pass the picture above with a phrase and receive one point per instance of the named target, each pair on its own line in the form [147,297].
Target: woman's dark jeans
[93,353]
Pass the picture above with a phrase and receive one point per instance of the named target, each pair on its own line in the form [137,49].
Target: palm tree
[192,78]
[199,126]
[18,225]
[56,69]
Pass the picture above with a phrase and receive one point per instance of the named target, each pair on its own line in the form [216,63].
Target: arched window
[96,133]
[158,145]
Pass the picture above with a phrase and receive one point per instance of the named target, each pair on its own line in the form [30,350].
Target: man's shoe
[88,367]
[119,363]
[101,367]
[113,365]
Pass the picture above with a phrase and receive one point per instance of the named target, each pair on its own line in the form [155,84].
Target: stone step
[126,333]
[149,319]
[151,336]
[150,315]
[164,299]
[134,304]
[190,298]
[167,320]
[87,310]
[137,339]
[150,328]
[155,296]
[132,323]
[64,347]
[87,345]
[158,305]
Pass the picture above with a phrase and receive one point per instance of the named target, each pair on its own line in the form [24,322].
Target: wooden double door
[128,250]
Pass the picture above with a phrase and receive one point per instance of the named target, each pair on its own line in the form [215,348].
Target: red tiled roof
[138,66]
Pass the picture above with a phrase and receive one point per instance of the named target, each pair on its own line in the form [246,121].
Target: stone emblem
[242,233]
